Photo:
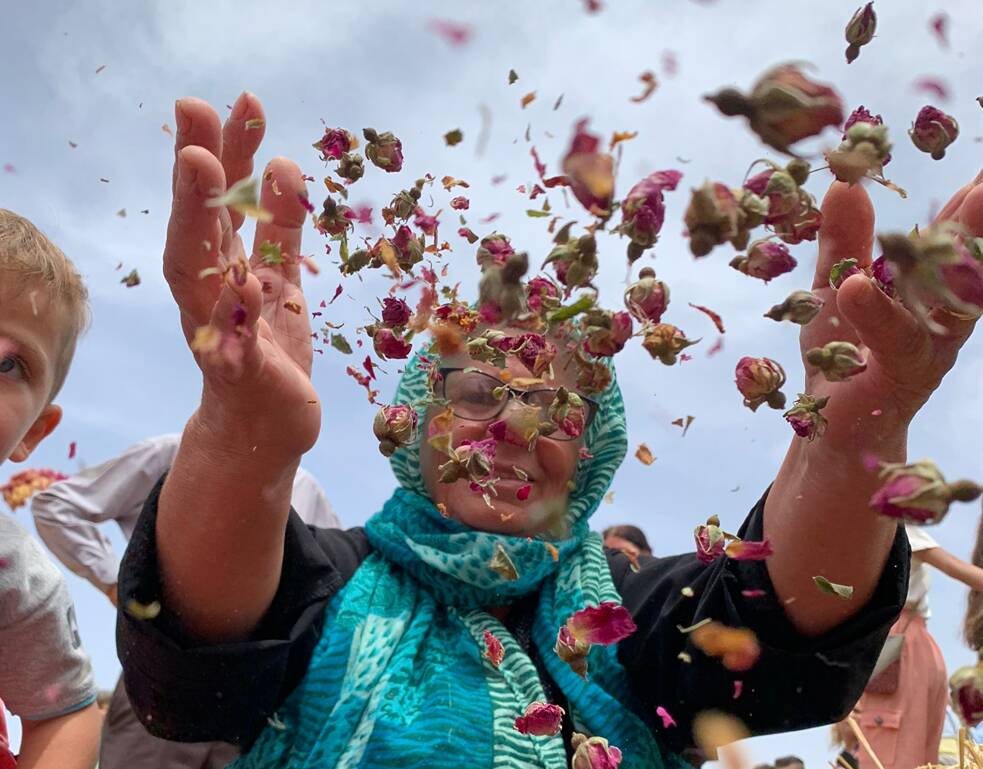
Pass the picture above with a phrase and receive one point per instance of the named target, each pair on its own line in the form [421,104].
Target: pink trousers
[904,728]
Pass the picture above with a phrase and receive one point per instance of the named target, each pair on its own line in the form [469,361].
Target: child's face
[30,341]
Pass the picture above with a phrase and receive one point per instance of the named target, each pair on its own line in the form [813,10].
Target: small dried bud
[494,249]
[799,307]
[837,360]
[760,380]
[842,270]
[711,217]
[643,210]
[710,541]
[860,31]
[805,418]
[568,412]
[664,342]
[394,426]
[605,332]
[933,131]
[798,169]
[335,143]
[765,259]
[351,168]
[387,344]
[966,694]
[575,261]
[593,753]
[395,312]
[918,493]
[648,297]
[335,218]
[542,295]
[384,150]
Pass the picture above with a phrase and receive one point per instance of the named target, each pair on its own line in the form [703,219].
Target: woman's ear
[43,426]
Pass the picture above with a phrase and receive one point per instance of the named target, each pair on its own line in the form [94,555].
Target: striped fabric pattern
[398,677]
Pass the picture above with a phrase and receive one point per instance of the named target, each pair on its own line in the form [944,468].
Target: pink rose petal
[541,719]
[605,624]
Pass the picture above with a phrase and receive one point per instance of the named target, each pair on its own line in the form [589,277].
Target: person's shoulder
[28,578]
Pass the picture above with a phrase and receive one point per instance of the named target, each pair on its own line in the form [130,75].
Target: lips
[514,473]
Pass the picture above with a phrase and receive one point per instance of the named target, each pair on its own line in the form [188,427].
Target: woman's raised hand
[257,386]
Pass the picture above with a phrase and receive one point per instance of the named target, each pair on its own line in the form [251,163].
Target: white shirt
[920,579]
[66,513]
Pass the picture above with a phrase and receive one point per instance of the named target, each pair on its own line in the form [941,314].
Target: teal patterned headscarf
[398,678]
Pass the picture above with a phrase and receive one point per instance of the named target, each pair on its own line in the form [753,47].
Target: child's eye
[11,365]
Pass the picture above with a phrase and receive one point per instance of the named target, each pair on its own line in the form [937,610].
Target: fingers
[241,136]
[950,211]
[283,187]
[884,326]
[194,233]
[847,231]
[235,316]
[971,211]
[198,125]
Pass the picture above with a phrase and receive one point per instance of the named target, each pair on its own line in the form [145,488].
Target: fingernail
[181,117]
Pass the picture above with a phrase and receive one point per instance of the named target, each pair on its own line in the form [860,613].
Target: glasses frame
[512,392]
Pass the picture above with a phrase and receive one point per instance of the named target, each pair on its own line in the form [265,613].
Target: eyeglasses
[481,397]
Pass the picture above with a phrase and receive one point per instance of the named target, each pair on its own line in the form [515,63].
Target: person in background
[67,516]
[902,711]
[627,538]
[789,762]
[45,675]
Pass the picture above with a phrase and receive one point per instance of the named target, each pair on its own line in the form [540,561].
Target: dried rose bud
[387,344]
[881,272]
[357,260]
[395,312]
[501,287]
[710,540]
[605,624]
[765,259]
[664,342]
[783,107]
[494,250]
[409,248]
[335,143]
[805,418]
[404,203]
[542,294]
[801,225]
[711,217]
[799,307]
[779,188]
[521,425]
[606,332]
[590,172]
[862,115]
[494,651]
[384,150]
[933,131]
[593,753]
[865,149]
[568,412]
[966,694]
[760,380]
[467,233]
[534,351]
[472,460]
[335,218]
[460,203]
[918,493]
[593,376]
[575,261]
[842,270]
[837,360]
[648,297]
[860,31]
[643,210]
[572,651]
[395,427]
[540,719]
[351,168]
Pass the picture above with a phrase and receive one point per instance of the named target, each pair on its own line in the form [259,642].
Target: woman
[364,648]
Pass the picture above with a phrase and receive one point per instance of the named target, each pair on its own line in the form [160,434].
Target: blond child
[45,676]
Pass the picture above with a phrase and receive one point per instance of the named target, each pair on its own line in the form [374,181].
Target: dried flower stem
[863,741]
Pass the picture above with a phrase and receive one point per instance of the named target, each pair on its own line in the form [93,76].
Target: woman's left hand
[818,515]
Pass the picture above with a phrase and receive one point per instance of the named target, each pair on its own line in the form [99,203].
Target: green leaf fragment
[271,252]
[341,344]
[843,591]
[512,76]
[453,137]
[583,304]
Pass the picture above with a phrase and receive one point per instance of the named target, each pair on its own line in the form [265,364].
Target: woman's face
[549,469]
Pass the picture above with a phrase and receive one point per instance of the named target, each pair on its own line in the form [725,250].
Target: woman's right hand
[264,396]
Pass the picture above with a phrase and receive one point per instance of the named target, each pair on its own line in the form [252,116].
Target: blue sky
[380,65]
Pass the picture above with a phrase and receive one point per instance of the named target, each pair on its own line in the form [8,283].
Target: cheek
[558,460]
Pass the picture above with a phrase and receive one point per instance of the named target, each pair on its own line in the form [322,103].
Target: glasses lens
[472,394]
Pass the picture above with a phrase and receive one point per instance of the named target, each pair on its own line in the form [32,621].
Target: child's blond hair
[30,258]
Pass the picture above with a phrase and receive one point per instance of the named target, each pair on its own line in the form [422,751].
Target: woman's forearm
[220,526]
[820,523]
[66,742]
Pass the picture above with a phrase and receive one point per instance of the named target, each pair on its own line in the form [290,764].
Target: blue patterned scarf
[398,678]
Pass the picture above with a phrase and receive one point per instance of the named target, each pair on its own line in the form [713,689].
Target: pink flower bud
[802,225]
[933,131]
[605,624]
[351,168]
[805,418]
[593,753]
[494,651]
[471,460]
[862,115]
[837,360]
[593,376]
[664,342]
[388,345]
[783,107]
[883,275]
[335,143]
[494,249]
[572,651]
[842,270]
[534,351]
[394,427]
[918,492]
[643,210]
[860,31]
[541,719]
[799,307]
[468,233]
[575,261]
[966,694]
[335,218]
[606,333]
[648,297]
[590,172]
[384,150]
[542,294]
[709,540]
[460,203]
[395,312]
[765,259]
[568,412]
[760,380]
[409,248]
[711,217]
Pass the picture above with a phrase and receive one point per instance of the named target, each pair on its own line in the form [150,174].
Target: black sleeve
[188,691]
[798,682]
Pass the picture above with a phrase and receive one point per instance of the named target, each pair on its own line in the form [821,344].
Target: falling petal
[832,588]
[644,454]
